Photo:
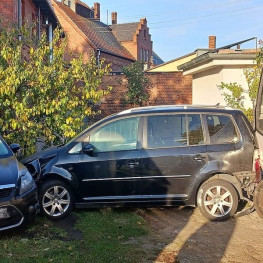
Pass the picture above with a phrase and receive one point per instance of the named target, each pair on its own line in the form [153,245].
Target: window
[166,131]
[3,148]
[221,129]
[171,130]
[147,55]
[195,131]
[119,135]
[144,33]
[141,54]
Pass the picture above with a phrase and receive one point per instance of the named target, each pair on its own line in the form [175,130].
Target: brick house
[89,36]
[39,13]
[135,37]
[118,44]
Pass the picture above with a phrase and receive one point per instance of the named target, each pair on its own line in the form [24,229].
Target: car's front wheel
[217,200]
[55,199]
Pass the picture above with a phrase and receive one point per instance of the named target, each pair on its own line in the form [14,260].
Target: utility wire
[204,16]
[233,13]
[219,4]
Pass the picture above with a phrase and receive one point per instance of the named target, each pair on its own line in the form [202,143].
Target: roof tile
[125,32]
[98,33]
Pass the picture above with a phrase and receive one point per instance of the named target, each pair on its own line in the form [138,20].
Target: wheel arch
[223,176]
[54,176]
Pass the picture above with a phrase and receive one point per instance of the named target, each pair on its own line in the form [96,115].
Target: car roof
[178,108]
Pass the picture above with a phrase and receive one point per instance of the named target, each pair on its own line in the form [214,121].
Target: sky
[179,27]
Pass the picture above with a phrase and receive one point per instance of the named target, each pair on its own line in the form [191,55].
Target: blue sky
[179,27]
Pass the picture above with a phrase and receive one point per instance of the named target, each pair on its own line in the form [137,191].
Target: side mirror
[15,147]
[88,149]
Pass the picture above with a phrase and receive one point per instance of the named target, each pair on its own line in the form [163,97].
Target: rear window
[221,129]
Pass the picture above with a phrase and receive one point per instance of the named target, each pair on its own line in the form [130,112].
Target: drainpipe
[19,17]
[50,39]
[98,57]
[39,24]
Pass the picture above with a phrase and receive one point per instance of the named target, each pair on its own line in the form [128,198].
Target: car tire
[56,199]
[217,200]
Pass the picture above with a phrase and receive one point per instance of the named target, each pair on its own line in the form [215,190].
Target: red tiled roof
[125,32]
[81,3]
[98,33]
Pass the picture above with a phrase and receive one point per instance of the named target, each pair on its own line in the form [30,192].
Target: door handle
[200,158]
[132,164]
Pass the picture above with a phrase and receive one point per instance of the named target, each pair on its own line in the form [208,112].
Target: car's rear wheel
[217,200]
[55,199]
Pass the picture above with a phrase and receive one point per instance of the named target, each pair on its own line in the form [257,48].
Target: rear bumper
[18,210]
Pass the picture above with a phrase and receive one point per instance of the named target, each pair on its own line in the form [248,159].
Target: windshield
[3,148]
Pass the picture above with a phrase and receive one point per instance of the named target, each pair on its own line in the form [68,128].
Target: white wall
[205,90]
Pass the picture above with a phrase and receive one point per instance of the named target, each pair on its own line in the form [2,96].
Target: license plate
[3,213]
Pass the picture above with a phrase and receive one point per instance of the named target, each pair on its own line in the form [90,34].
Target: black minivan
[152,156]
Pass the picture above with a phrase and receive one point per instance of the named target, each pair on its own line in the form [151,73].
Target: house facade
[117,44]
[210,68]
[135,37]
[39,14]
[88,36]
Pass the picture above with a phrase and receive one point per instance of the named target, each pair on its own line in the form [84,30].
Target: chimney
[114,18]
[212,42]
[97,11]
[70,3]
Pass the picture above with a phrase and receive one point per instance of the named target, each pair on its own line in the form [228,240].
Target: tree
[138,84]
[234,94]
[44,98]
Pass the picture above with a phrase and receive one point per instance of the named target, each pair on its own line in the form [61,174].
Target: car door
[115,163]
[174,152]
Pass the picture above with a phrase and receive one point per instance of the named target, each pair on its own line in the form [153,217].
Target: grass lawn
[106,235]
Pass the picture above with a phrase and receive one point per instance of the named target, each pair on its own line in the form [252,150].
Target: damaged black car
[18,194]
[152,156]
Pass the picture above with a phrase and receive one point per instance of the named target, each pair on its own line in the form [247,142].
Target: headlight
[27,183]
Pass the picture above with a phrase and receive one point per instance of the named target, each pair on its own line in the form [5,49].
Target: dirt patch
[184,235]
[67,224]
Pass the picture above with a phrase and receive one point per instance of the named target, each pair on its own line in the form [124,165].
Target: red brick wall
[77,42]
[116,63]
[167,88]
[170,88]
[8,11]
[144,41]
[29,12]
[140,41]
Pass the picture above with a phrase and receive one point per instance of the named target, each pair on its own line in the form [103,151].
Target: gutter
[113,54]
[207,57]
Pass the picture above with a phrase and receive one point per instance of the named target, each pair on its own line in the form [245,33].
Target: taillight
[257,170]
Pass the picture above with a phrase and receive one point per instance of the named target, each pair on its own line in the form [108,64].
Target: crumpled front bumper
[18,209]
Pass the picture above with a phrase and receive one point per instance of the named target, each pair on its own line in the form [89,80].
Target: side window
[166,131]
[119,135]
[221,129]
[195,131]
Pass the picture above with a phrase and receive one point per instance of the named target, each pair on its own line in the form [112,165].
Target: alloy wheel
[218,201]
[56,201]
